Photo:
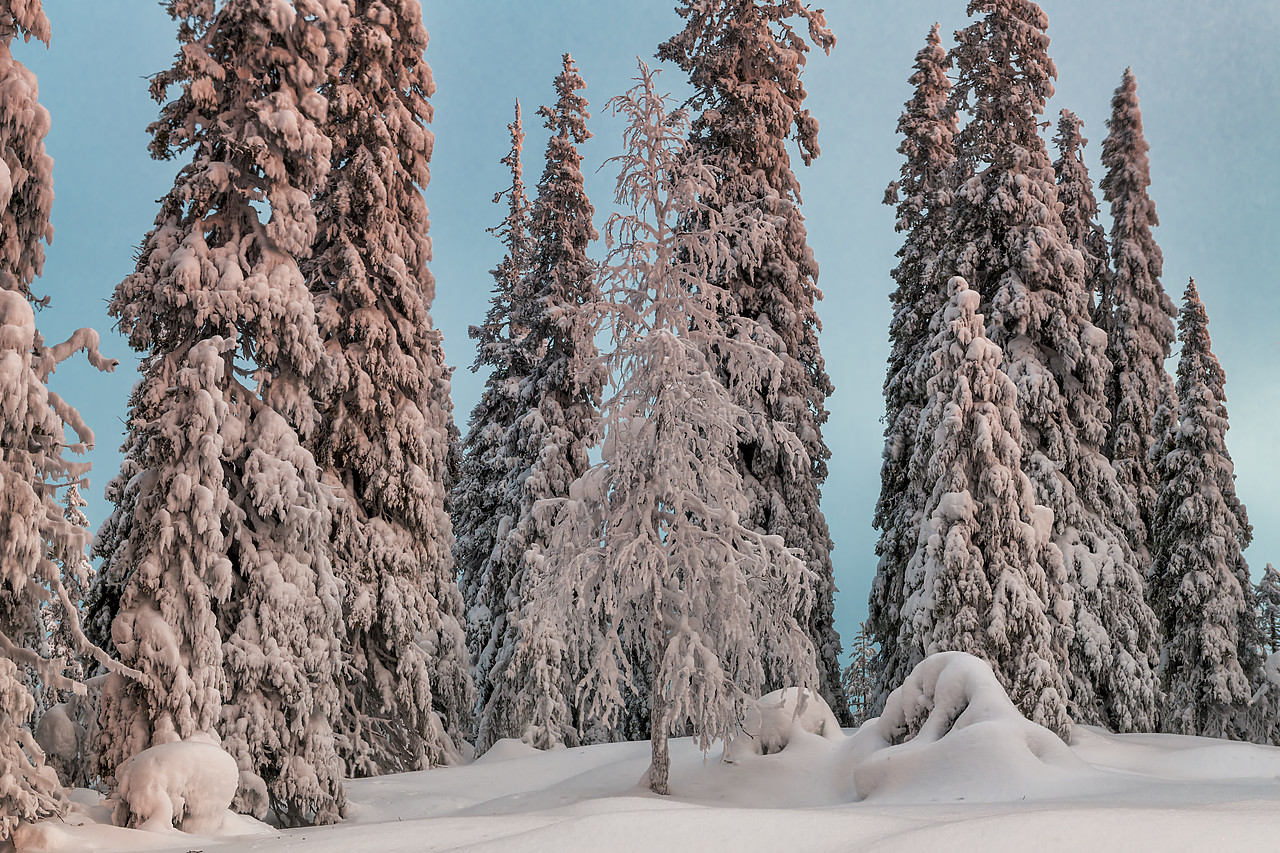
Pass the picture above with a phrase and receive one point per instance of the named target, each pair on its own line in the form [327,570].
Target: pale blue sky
[1207,77]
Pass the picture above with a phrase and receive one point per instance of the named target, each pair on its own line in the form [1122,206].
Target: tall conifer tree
[1200,584]
[1268,592]
[228,603]
[385,420]
[745,59]
[553,318]
[1135,312]
[976,582]
[1018,256]
[1080,205]
[921,197]
[482,513]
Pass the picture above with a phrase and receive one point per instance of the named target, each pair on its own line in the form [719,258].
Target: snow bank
[773,720]
[188,783]
[970,743]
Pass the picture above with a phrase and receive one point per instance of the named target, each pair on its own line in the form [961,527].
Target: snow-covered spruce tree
[745,59]
[1268,594]
[650,559]
[384,433]
[228,604]
[1135,311]
[1007,239]
[1200,585]
[859,678]
[482,515]
[921,196]
[976,583]
[553,318]
[1080,205]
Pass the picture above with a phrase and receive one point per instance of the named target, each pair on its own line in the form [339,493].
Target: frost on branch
[41,545]
[653,577]
[746,59]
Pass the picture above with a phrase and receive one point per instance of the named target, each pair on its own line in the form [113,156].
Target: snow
[190,783]
[978,776]
[773,721]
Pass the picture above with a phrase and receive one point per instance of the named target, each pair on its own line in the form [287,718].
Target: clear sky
[1207,77]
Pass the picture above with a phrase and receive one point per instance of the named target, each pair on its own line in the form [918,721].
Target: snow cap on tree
[1200,584]
[26,169]
[38,544]
[1135,311]
[1268,592]
[480,498]
[218,289]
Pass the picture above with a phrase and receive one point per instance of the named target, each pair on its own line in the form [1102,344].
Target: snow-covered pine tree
[649,559]
[745,59]
[1019,258]
[42,545]
[384,435]
[1268,593]
[1200,584]
[1135,311]
[1080,205]
[976,583]
[859,678]
[553,318]
[228,604]
[921,196]
[482,515]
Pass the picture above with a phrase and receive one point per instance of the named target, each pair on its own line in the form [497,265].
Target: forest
[316,569]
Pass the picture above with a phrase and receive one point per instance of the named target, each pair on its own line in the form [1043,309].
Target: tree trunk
[660,763]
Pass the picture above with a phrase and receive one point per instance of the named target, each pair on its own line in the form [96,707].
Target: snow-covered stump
[185,784]
[950,732]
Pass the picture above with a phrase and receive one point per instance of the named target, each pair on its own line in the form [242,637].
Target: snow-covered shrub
[188,784]
[771,721]
[952,730]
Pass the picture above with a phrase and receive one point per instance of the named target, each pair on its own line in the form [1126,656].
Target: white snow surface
[976,776]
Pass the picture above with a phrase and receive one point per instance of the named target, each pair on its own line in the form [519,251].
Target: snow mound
[507,749]
[773,720]
[970,743]
[188,783]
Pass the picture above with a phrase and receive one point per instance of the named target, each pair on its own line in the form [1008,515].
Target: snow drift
[188,783]
[969,741]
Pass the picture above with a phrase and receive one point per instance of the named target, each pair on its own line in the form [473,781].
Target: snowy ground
[1133,792]
[975,775]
